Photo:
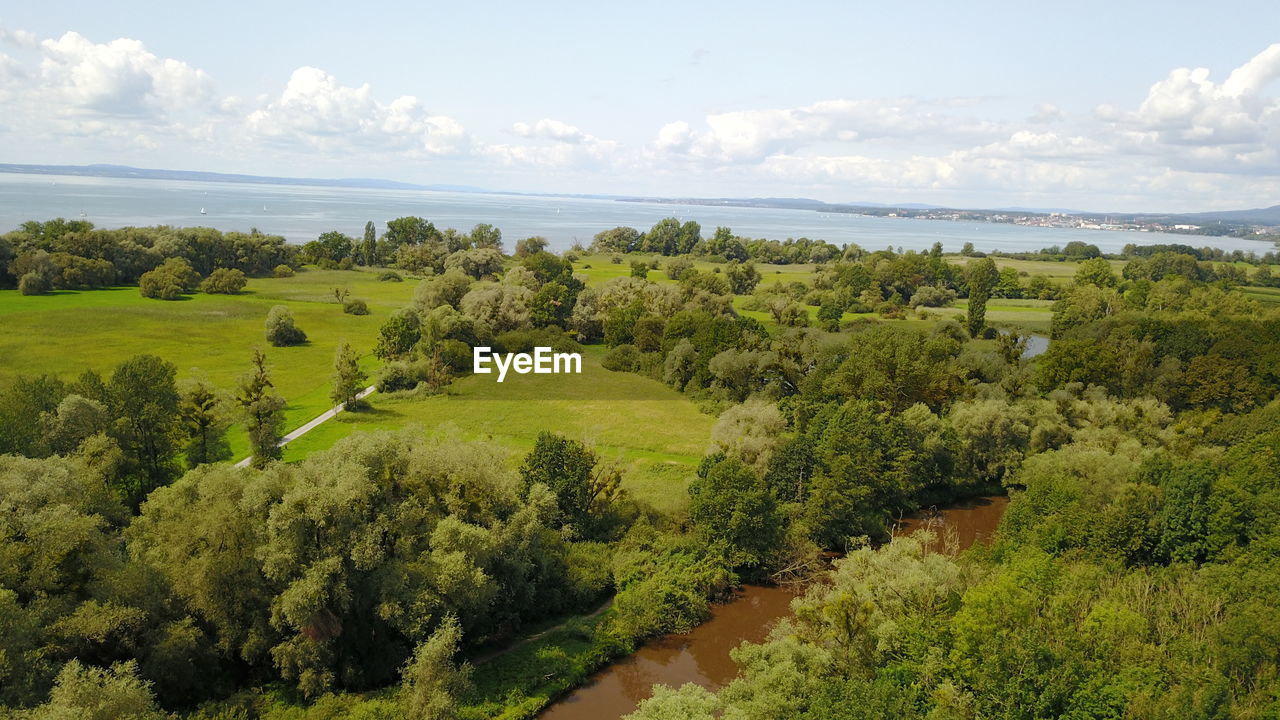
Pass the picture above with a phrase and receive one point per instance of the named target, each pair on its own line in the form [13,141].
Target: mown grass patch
[208,337]
[654,433]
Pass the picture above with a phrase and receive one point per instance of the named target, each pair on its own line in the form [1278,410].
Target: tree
[90,693]
[565,466]
[1095,271]
[281,330]
[433,682]
[410,231]
[369,245]
[982,277]
[348,378]
[398,334]
[263,412]
[34,283]
[485,235]
[226,281]
[170,281]
[204,426]
[736,511]
[743,277]
[145,401]
[531,246]
[639,270]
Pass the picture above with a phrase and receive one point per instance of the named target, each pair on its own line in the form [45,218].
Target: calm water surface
[702,656]
[302,213]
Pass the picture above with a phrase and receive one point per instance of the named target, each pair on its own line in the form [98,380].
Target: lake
[301,213]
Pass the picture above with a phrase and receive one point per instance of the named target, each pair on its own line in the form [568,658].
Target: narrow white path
[311,425]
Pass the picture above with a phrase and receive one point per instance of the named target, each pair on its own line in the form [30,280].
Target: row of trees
[73,254]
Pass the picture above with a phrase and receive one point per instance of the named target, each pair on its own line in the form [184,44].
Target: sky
[1134,106]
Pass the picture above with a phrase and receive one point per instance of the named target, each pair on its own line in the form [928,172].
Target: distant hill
[124,171]
[1262,216]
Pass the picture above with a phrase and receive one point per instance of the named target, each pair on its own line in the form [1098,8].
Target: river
[301,213]
[702,656]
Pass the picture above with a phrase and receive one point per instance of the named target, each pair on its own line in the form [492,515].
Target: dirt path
[539,635]
[328,414]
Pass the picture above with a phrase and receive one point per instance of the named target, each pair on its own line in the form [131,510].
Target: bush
[281,330]
[169,281]
[223,281]
[390,276]
[929,296]
[396,376]
[282,271]
[355,306]
[623,358]
[33,284]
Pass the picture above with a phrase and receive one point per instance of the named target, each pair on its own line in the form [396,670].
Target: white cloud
[315,110]
[119,78]
[549,129]
[21,38]
[750,136]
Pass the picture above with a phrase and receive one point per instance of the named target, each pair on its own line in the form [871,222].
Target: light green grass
[1032,316]
[1059,272]
[210,337]
[1262,294]
[655,434]
[599,268]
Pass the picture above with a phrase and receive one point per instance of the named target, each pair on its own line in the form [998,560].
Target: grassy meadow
[654,433]
[207,337]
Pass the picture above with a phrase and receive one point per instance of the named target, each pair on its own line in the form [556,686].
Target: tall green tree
[369,245]
[204,425]
[982,277]
[263,412]
[144,400]
[348,378]
[736,511]
[565,466]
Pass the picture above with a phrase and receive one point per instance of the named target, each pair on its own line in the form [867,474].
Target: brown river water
[702,656]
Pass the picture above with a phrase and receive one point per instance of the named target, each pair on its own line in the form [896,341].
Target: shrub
[396,376]
[390,276]
[33,283]
[929,296]
[224,281]
[623,358]
[355,306]
[281,330]
[169,281]
[282,271]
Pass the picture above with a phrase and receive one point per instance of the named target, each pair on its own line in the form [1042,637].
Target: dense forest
[1135,574]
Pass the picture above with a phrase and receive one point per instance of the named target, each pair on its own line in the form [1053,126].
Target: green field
[655,434]
[599,268]
[1032,316]
[1262,294]
[208,337]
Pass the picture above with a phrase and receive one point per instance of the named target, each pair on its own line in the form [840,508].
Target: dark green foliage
[263,412]
[736,511]
[144,398]
[565,467]
[981,278]
[399,334]
[355,306]
[204,425]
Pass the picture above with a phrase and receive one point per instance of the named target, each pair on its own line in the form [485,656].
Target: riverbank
[702,657]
